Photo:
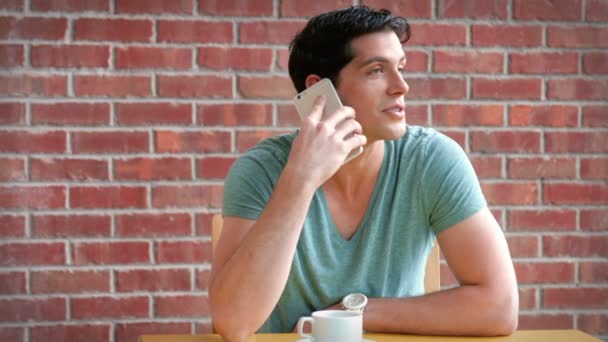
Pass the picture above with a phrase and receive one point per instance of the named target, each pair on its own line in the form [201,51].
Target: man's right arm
[253,258]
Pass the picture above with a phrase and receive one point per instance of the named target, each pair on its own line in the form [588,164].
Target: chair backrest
[431,276]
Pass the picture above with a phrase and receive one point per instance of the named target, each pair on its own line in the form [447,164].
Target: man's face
[372,84]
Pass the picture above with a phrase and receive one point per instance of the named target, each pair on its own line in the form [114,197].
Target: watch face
[355,301]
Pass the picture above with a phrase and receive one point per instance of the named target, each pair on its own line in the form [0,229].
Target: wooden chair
[431,277]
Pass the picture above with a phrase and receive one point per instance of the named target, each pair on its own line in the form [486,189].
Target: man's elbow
[506,314]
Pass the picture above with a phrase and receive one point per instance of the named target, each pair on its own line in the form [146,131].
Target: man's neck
[357,174]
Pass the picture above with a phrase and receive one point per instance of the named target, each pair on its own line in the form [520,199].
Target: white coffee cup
[332,326]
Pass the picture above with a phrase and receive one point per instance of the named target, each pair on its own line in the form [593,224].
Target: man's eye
[375,71]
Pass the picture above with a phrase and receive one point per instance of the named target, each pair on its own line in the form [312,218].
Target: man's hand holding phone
[327,139]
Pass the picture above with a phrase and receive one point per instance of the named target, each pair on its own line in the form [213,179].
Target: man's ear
[312,79]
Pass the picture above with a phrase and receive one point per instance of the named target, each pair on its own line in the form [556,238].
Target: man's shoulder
[275,147]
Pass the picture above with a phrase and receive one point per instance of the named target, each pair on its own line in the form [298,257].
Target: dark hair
[323,46]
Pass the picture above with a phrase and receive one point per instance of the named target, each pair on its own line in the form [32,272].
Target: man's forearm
[248,286]
[471,310]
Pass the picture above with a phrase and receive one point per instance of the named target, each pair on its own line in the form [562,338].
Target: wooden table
[519,336]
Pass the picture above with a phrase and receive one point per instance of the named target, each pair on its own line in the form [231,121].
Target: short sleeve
[451,189]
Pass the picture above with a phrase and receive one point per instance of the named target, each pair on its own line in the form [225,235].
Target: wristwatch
[354,302]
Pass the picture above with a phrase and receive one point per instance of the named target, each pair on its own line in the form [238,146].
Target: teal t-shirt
[426,184]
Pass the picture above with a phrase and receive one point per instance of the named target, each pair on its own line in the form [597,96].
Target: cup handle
[301,323]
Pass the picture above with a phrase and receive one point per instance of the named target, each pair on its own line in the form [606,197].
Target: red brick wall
[120,118]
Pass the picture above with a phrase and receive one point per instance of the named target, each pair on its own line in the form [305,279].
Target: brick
[12,283]
[108,197]
[549,116]
[567,193]
[153,113]
[475,9]
[33,85]
[576,142]
[12,170]
[540,321]
[594,168]
[32,253]
[236,58]
[88,332]
[593,272]
[554,220]
[507,88]
[575,246]
[417,115]
[577,37]
[465,62]
[116,30]
[467,115]
[33,28]
[33,309]
[187,196]
[182,306]
[69,113]
[437,88]
[417,61]
[183,251]
[69,6]
[202,279]
[203,224]
[544,272]
[155,6]
[127,332]
[511,193]
[32,141]
[511,35]
[190,31]
[11,333]
[110,142]
[269,32]
[541,167]
[12,113]
[53,169]
[195,86]
[595,324]
[152,169]
[558,10]
[112,86]
[70,56]
[32,197]
[14,5]
[505,141]
[575,298]
[282,58]
[214,167]
[595,63]
[595,116]
[192,142]
[71,225]
[527,298]
[12,226]
[295,8]
[594,220]
[153,280]
[577,89]
[137,57]
[108,253]
[235,114]
[438,34]
[266,87]
[487,167]
[154,225]
[288,117]
[247,139]
[11,55]
[110,307]
[457,136]
[596,10]
[543,63]
[70,281]
[236,7]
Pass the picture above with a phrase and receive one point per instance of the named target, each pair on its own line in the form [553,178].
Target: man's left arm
[484,304]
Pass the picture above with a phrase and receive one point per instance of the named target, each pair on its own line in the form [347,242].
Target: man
[301,230]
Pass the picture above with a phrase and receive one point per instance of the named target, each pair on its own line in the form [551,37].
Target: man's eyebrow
[379,59]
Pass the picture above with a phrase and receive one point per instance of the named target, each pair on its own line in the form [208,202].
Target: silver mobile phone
[304,102]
